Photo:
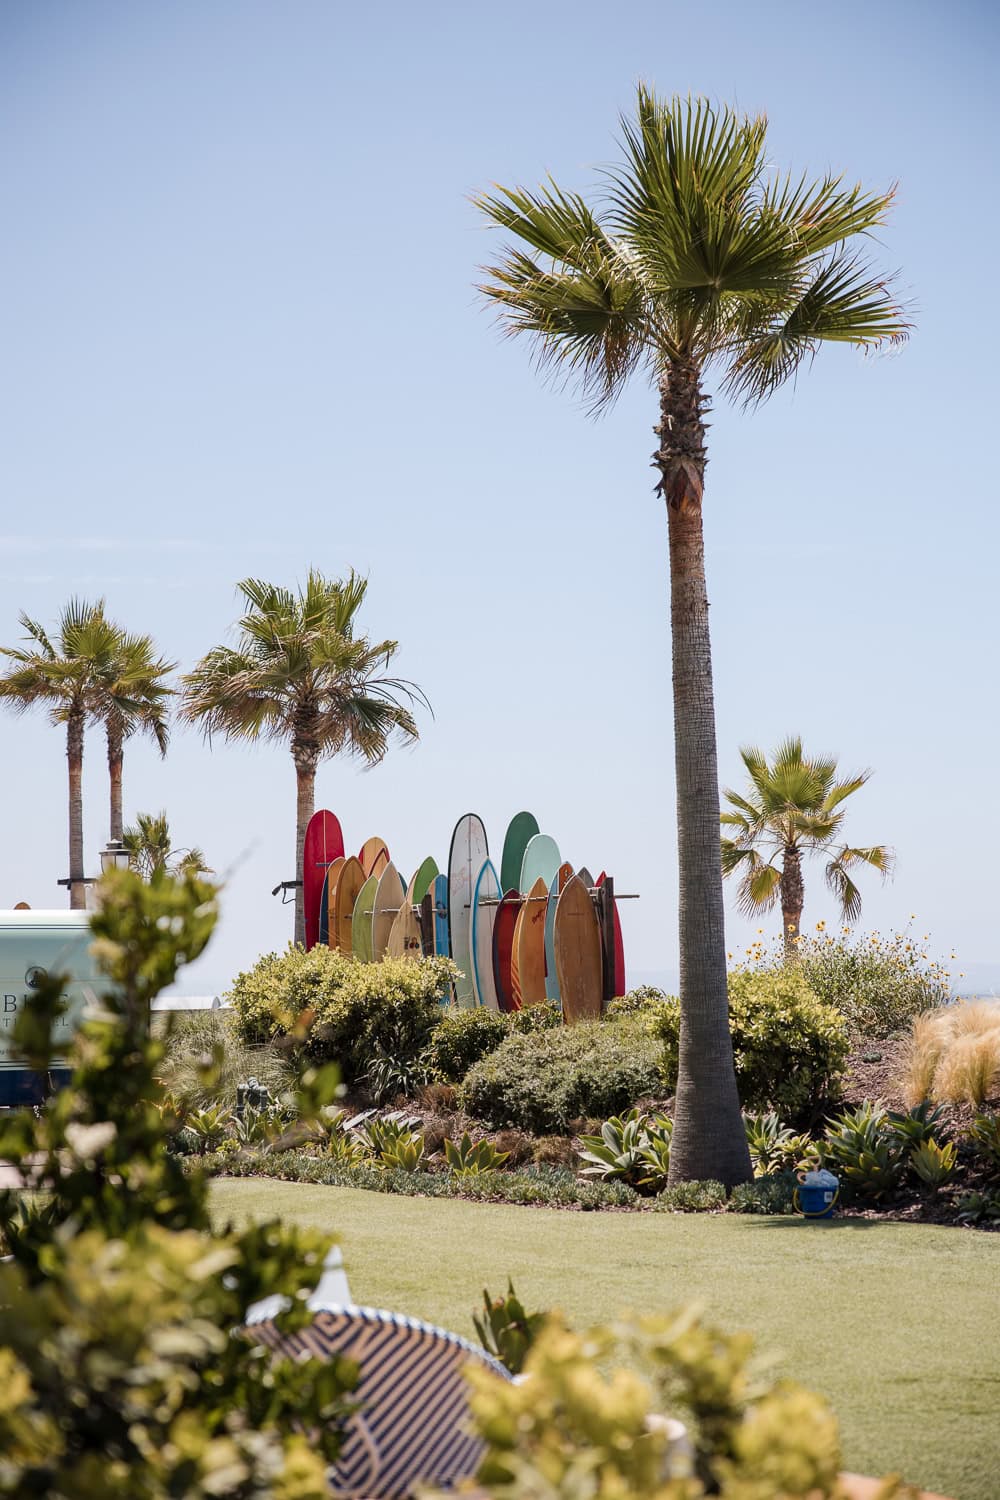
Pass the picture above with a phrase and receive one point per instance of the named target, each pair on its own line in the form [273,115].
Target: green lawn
[899,1325]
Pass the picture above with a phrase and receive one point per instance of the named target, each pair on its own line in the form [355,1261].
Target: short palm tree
[699,262]
[65,674]
[791,808]
[149,843]
[133,701]
[301,675]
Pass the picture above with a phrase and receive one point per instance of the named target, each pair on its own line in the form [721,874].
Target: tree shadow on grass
[813,1226]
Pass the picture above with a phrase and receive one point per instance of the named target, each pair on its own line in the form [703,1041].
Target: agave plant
[978,1208]
[984,1138]
[379,1132]
[405,1153]
[918,1126]
[869,1154]
[506,1330]
[934,1162]
[468,1158]
[617,1153]
[211,1125]
[775,1148]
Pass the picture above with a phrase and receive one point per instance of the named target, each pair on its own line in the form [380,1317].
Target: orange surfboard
[332,879]
[374,856]
[578,953]
[352,878]
[530,944]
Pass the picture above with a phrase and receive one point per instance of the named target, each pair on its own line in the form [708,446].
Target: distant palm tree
[148,842]
[791,808]
[133,700]
[699,260]
[301,675]
[66,676]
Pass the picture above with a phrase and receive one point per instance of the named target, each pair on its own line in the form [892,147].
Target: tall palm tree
[66,675]
[793,808]
[301,675]
[133,701]
[149,843]
[698,262]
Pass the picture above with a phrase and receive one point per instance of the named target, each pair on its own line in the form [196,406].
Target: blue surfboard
[439,895]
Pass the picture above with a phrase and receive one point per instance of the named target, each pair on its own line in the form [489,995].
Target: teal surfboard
[541,862]
[485,901]
[469,849]
[522,828]
[551,980]
[439,893]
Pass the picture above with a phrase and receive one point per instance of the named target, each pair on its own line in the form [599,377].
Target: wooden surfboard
[541,861]
[469,849]
[374,856]
[361,922]
[515,978]
[503,940]
[404,934]
[324,842]
[521,829]
[619,985]
[485,904]
[586,877]
[578,953]
[389,899]
[531,945]
[352,878]
[328,909]
[423,879]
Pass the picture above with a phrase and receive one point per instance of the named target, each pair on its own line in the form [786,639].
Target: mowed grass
[897,1324]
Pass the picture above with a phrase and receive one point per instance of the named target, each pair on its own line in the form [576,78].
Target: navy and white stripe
[413,1426]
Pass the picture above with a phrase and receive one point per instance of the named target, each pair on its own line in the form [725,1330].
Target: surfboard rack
[284,886]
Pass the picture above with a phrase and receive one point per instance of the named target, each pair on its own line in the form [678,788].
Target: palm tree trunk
[306,759]
[708,1140]
[74,758]
[792,899]
[116,757]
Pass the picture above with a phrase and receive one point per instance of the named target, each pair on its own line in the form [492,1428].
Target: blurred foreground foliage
[120,1375]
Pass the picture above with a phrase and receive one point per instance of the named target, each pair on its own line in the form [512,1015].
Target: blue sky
[241,337]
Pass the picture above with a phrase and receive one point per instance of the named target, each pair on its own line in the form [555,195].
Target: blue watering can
[817,1194]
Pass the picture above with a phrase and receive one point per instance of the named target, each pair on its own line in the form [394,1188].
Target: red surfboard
[619,946]
[324,843]
[503,941]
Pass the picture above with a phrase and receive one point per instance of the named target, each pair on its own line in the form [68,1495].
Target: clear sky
[240,337]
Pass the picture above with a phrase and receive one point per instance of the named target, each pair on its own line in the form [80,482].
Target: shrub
[953,1054]
[542,1081]
[358,1015]
[789,1046]
[462,1037]
[553,1151]
[645,1000]
[690,1198]
[877,983]
[543,1016]
[205,1059]
[979,1208]
[765,1195]
[121,1376]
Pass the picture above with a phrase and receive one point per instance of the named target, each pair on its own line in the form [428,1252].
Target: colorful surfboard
[578,953]
[503,940]
[328,904]
[469,849]
[352,878]
[389,898]
[619,985]
[423,879]
[559,879]
[374,856]
[531,945]
[541,861]
[439,894]
[404,934]
[361,922]
[521,829]
[485,903]
[515,978]
[324,842]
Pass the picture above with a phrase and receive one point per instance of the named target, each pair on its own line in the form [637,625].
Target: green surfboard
[361,922]
[424,879]
[522,828]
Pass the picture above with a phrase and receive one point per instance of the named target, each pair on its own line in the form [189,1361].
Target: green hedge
[350,1013]
[542,1082]
[790,1047]
[464,1036]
